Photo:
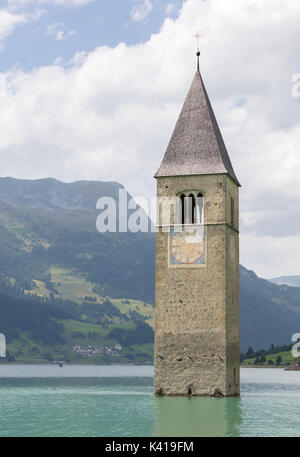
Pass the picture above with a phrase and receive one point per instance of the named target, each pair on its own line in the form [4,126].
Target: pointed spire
[198,58]
[196,146]
[198,36]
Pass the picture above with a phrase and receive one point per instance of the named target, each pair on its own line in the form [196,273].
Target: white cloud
[170,8]
[109,114]
[270,256]
[140,10]
[58,61]
[8,22]
[57,32]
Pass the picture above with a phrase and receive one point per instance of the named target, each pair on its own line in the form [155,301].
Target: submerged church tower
[197,258]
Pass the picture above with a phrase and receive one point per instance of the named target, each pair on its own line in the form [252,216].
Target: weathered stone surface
[197,309]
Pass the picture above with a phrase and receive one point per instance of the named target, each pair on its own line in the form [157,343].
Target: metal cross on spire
[198,36]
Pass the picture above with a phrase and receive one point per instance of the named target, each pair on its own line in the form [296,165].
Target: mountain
[87,289]
[269,313]
[45,224]
[292,281]
[51,194]
[52,254]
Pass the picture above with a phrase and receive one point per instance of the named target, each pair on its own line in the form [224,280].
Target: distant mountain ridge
[52,194]
[292,281]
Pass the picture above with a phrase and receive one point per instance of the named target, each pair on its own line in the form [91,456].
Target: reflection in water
[198,416]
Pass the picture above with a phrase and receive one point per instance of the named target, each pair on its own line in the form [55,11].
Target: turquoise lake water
[118,401]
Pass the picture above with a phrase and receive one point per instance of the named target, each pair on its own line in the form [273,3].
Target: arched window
[191,208]
[199,209]
[182,207]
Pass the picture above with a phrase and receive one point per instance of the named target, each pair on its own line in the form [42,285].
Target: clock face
[188,246]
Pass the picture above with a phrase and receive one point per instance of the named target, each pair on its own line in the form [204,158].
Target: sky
[91,89]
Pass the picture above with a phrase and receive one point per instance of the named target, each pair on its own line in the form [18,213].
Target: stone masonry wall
[196,309]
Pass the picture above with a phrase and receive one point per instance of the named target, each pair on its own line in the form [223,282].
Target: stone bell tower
[197,258]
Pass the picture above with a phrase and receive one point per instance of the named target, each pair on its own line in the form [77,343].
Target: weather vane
[198,36]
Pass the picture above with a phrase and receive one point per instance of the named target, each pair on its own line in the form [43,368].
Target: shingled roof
[196,146]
